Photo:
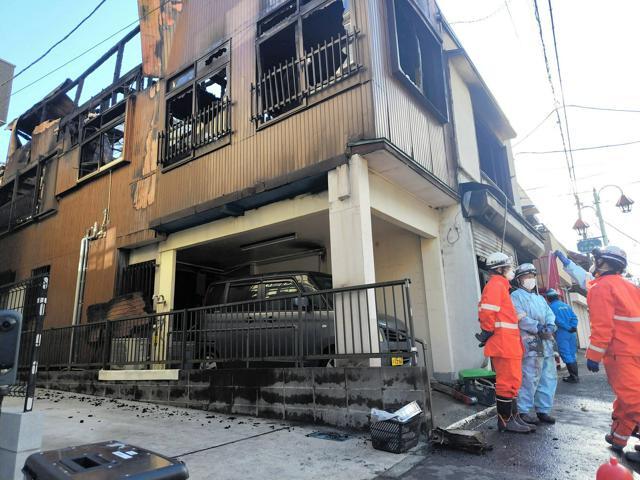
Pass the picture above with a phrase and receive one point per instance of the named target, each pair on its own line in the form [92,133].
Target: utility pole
[596,203]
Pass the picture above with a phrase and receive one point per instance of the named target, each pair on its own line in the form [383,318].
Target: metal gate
[29,298]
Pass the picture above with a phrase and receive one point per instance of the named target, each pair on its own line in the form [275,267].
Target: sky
[596,44]
[596,47]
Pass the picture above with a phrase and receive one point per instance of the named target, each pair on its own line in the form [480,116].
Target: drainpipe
[80,283]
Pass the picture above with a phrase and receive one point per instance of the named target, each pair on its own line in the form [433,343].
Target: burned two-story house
[263,138]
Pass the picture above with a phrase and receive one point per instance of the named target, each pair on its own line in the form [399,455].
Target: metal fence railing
[29,298]
[283,87]
[306,329]
[208,125]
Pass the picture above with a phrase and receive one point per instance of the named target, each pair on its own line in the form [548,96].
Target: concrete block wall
[341,397]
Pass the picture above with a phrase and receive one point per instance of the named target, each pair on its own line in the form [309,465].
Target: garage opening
[300,245]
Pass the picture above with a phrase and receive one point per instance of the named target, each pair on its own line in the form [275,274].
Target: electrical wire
[562,97]
[636,241]
[126,27]
[55,44]
[553,91]
[486,17]
[583,107]
[581,149]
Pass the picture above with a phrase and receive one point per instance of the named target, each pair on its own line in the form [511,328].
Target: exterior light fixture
[268,242]
[581,227]
[624,203]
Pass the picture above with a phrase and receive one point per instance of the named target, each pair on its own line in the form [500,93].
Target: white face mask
[529,283]
[510,275]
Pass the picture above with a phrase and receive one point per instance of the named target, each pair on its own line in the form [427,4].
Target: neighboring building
[6,76]
[349,137]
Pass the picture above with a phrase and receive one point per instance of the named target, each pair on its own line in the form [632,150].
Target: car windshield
[323,282]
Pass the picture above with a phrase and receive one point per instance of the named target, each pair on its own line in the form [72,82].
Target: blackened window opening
[197,108]
[417,58]
[302,49]
[494,161]
[103,138]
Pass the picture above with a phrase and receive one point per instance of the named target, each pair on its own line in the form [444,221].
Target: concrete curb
[481,415]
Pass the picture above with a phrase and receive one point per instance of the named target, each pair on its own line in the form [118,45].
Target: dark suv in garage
[274,317]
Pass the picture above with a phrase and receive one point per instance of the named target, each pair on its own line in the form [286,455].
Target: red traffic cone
[613,471]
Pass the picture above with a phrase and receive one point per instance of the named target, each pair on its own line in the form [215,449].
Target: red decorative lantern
[613,471]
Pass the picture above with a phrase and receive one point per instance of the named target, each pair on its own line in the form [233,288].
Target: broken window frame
[432,91]
[493,158]
[267,104]
[100,137]
[207,127]
[14,212]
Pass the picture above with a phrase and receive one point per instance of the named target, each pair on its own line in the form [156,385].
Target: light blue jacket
[534,313]
[579,274]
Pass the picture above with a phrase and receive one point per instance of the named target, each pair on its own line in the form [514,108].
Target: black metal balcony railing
[207,126]
[308,329]
[284,87]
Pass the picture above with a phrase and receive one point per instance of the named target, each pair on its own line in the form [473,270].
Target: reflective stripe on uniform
[597,349]
[626,319]
[512,326]
[621,437]
[488,306]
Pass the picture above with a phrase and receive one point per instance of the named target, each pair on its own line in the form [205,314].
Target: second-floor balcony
[285,86]
[183,138]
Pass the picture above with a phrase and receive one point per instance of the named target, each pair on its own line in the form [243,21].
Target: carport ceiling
[311,233]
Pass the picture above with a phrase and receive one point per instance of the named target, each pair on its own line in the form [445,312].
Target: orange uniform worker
[614,311]
[501,340]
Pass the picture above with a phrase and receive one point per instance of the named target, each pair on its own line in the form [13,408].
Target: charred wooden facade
[237,105]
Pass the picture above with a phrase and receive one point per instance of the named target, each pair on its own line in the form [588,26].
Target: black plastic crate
[394,436]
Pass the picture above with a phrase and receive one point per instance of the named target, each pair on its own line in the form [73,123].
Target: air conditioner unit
[129,353]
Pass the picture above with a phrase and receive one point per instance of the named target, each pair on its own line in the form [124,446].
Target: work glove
[593,366]
[562,257]
[573,330]
[482,337]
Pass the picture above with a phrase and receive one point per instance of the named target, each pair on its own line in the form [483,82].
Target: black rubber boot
[614,446]
[506,420]
[633,456]
[546,418]
[572,368]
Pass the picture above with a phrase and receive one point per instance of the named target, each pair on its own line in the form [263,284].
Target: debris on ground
[335,436]
[466,440]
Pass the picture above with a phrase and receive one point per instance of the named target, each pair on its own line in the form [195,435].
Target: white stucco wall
[397,256]
[463,288]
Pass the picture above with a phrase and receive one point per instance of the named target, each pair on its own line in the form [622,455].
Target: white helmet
[614,256]
[497,260]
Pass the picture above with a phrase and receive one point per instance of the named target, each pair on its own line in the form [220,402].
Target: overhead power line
[486,17]
[93,47]
[559,70]
[55,44]
[583,107]
[580,149]
[623,233]
[553,92]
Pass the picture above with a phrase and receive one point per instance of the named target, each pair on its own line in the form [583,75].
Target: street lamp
[624,204]
[581,227]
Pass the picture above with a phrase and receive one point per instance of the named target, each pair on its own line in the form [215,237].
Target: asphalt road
[573,448]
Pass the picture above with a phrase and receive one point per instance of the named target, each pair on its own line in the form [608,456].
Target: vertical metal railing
[370,323]
[208,125]
[284,86]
